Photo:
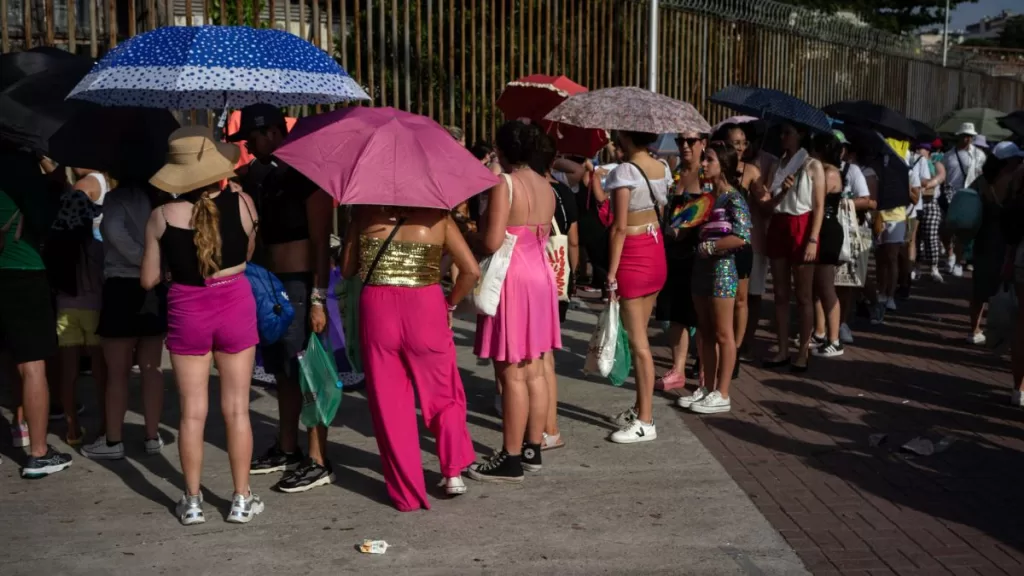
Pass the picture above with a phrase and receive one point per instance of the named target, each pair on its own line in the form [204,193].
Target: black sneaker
[306,477]
[531,457]
[829,350]
[816,340]
[50,463]
[502,468]
[276,460]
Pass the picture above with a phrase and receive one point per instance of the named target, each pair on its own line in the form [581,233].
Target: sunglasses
[688,141]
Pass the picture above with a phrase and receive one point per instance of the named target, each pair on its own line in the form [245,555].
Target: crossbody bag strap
[383,248]
[650,190]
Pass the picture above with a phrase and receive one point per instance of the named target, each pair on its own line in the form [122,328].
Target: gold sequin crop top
[405,264]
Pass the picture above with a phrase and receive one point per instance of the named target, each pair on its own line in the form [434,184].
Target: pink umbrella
[384,157]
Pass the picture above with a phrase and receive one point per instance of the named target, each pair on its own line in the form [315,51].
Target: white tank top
[796,201]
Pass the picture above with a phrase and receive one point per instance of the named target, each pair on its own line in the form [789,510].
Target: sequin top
[405,264]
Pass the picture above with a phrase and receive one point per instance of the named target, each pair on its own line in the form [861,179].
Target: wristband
[452,307]
[318,297]
[612,286]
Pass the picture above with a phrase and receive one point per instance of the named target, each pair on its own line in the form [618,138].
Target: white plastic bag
[493,269]
[1002,315]
[601,351]
[557,250]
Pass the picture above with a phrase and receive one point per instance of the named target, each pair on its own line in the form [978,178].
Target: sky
[970,13]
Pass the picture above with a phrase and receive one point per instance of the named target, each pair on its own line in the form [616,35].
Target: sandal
[75,442]
[552,442]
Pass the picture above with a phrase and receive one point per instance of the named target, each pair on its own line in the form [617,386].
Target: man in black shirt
[295,223]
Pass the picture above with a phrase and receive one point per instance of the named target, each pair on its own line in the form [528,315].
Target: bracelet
[612,286]
[318,297]
[452,307]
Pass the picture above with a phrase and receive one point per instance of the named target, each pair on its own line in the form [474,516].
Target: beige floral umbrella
[629,108]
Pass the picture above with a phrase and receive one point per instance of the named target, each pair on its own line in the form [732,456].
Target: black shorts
[281,357]
[675,301]
[745,262]
[130,311]
[28,326]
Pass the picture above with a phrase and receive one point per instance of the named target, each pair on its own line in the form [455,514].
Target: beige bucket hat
[195,160]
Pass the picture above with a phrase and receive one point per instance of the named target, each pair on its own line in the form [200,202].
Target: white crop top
[629,176]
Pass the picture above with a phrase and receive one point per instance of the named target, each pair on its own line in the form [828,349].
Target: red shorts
[787,237]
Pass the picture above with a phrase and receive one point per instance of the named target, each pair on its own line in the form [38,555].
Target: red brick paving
[798,446]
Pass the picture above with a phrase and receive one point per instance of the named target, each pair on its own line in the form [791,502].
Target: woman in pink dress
[525,326]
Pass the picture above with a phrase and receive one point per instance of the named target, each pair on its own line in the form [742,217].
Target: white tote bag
[558,255]
[847,217]
[487,293]
[601,351]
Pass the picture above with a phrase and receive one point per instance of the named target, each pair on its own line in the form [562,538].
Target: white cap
[967,128]
[1006,150]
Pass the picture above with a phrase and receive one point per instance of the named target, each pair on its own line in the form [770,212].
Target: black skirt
[129,311]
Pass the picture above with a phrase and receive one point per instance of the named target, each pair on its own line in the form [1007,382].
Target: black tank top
[179,249]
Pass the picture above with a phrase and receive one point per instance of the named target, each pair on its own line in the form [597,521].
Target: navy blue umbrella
[772,105]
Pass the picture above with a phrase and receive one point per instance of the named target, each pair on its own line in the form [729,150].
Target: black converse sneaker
[275,460]
[829,350]
[531,457]
[501,468]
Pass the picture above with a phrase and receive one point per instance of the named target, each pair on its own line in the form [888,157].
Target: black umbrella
[772,105]
[129,143]
[865,113]
[1014,122]
[925,133]
[17,65]
[33,107]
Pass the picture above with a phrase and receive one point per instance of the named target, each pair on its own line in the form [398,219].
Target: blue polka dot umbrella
[213,67]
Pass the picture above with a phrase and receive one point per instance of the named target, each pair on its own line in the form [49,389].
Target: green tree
[250,13]
[1013,33]
[896,16]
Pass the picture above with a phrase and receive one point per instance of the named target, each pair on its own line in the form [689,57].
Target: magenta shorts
[642,267]
[218,317]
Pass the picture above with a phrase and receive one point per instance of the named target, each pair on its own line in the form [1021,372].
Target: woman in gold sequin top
[406,338]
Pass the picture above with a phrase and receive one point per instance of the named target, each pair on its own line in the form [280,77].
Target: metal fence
[449,59]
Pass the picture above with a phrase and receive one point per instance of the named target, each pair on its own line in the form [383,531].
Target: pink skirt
[526,324]
[642,267]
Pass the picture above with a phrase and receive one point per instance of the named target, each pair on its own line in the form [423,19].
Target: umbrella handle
[222,121]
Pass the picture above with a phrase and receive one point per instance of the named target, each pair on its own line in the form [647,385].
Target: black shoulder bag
[383,248]
[650,189]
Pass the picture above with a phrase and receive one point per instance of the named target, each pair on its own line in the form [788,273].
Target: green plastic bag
[318,380]
[350,290]
[623,359]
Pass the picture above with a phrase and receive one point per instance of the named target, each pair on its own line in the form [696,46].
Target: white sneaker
[976,338]
[845,334]
[936,275]
[99,450]
[635,431]
[453,486]
[154,445]
[951,263]
[890,305]
[687,401]
[958,271]
[623,418]
[713,403]
[497,406]
[913,275]
[1017,399]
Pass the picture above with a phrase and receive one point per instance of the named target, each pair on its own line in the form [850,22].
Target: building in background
[989,27]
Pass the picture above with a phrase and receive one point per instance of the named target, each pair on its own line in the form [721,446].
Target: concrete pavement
[664,507]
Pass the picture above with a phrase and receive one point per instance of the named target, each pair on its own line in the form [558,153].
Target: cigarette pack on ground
[373,547]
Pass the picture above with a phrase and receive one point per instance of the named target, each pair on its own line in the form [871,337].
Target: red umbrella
[535,96]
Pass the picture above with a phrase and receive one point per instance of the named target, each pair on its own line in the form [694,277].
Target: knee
[234,410]
[193,412]
[32,371]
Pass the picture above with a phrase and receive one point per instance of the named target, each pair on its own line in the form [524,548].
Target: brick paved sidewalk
[800,447]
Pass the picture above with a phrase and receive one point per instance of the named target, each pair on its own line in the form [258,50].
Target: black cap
[256,117]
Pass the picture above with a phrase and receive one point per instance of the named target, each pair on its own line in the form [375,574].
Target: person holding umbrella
[295,217]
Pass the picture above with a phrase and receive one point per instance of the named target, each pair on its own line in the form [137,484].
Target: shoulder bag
[493,269]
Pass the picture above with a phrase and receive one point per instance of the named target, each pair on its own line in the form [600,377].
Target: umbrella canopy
[772,105]
[985,120]
[384,157]
[629,108]
[866,113]
[925,133]
[1014,122]
[665,145]
[212,67]
[534,96]
[129,143]
[741,119]
[32,105]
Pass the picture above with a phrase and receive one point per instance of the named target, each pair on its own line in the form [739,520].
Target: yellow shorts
[77,327]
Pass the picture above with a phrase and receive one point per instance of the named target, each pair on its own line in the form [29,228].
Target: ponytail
[206,223]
